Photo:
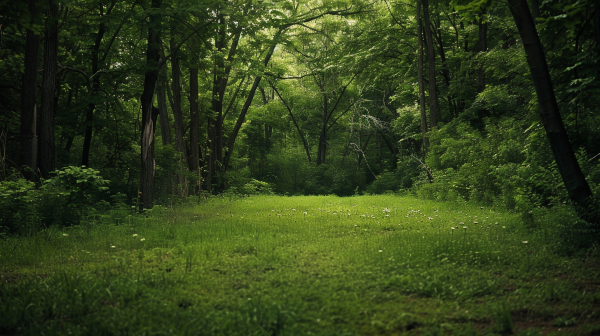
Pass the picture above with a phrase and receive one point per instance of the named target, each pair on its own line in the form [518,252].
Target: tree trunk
[242,116]
[165,126]
[597,29]
[322,149]
[575,183]
[194,157]
[304,141]
[434,108]
[178,117]
[420,78]
[481,47]
[47,144]
[89,120]
[29,100]
[148,112]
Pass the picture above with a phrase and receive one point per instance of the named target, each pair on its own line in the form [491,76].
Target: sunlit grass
[297,265]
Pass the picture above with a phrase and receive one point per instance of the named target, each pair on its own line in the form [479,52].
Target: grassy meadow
[270,265]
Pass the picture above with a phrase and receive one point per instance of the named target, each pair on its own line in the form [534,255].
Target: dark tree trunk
[597,28]
[29,100]
[242,116]
[568,167]
[165,126]
[420,78]
[178,117]
[89,119]
[47,142]
[481,47]
[194,157]
[434,108]
[149,114]
[322,149]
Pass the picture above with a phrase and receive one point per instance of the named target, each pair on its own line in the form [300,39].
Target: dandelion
[430,218]
[65,235]
[464,227]
[135,235]
[305,213]
[475,223]
[525,242]
[335,213]
[142,239]
[504,227]
[293,209]
[380,251]
[217,214]
[112,246]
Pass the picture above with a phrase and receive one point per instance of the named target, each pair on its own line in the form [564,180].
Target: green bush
[70,194]
[18,211]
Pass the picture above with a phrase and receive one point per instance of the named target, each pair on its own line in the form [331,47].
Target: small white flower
[380,250]
[112,246]
[65,235]
[142,239]
[135,235]
[525,242]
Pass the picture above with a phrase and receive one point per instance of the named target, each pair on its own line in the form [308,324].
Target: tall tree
[149,113]
[47,144]
[89,118]
[29,97]
[178,115]
[194,157]
[568,167]
[420,77]
[434,107]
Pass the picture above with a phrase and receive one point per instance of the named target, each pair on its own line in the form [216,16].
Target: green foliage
[18,211]
[255,187]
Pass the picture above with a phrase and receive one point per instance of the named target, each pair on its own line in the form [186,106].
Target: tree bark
[178,117]
[535,9]
[165,126]
[434,108]
[47,142]
[89,120]
[568,167]
[29,100]
[420,78]
[149,114]
[194,157]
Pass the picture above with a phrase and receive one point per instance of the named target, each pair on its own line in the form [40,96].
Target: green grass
[371,265]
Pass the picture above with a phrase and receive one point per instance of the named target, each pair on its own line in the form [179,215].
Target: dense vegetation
[312,98]
[148,149]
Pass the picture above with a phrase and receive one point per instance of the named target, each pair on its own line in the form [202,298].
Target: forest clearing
[299,167]
[268,265]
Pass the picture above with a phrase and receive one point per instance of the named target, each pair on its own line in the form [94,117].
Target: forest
[287,155]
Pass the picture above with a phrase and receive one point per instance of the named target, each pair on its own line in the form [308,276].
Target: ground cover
[268,265]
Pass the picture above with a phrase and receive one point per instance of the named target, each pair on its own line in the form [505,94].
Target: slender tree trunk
[322,149]
[148,112]
[597,29]
[178,117]
[89,120]
[165,126]
[434,108]
[481,47]
[29,100]
[194,157]
[574,180]
[304,142]
[47,144]
[242,116]
[420,78]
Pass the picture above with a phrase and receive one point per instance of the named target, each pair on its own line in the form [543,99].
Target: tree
[149,113]
[47,142]
[568,167]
